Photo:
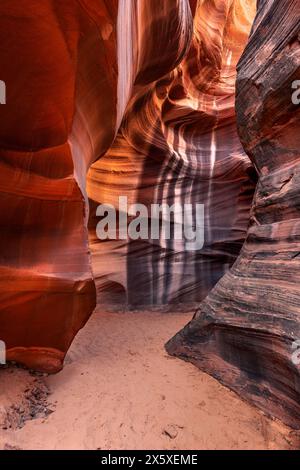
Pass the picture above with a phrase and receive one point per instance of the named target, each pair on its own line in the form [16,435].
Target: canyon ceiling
[165,102]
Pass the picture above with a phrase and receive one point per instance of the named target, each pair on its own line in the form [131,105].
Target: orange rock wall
[178,144]
[69,68]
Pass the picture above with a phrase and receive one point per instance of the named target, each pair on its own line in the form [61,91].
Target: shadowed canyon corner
[149,157]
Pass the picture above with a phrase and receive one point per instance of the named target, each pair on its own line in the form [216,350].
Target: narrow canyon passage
[159,102]
[178,145]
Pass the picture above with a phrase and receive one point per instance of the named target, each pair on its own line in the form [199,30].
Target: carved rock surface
[136,81]
[69,68]
[178,144]
[244,332]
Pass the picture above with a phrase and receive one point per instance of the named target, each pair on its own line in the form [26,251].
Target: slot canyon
[166,102]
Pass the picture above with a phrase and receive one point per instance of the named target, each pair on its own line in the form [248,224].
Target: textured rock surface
[244,331]
[179,144]
[78,70]
[69,70]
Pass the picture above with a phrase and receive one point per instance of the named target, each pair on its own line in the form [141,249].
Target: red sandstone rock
[76,71]
[69,68]
[243,333]
[178,144]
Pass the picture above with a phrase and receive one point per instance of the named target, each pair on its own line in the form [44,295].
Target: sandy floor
[120,390]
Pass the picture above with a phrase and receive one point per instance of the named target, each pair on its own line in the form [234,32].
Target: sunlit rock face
[178,144]
[69,68]
[245,333]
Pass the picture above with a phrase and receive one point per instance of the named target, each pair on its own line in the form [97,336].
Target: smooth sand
[120,390]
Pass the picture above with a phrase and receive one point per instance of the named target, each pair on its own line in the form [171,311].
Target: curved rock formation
[245,332]
[140,83]
[69,72]
[178,145]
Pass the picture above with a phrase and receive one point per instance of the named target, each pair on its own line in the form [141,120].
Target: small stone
[171,431]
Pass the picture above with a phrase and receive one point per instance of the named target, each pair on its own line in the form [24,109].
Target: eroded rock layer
[245,332]
[178,144]
[69,68]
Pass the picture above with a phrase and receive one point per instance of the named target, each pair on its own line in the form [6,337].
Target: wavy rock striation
[178,144]
[69,72]
[150,87]
[245,331]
